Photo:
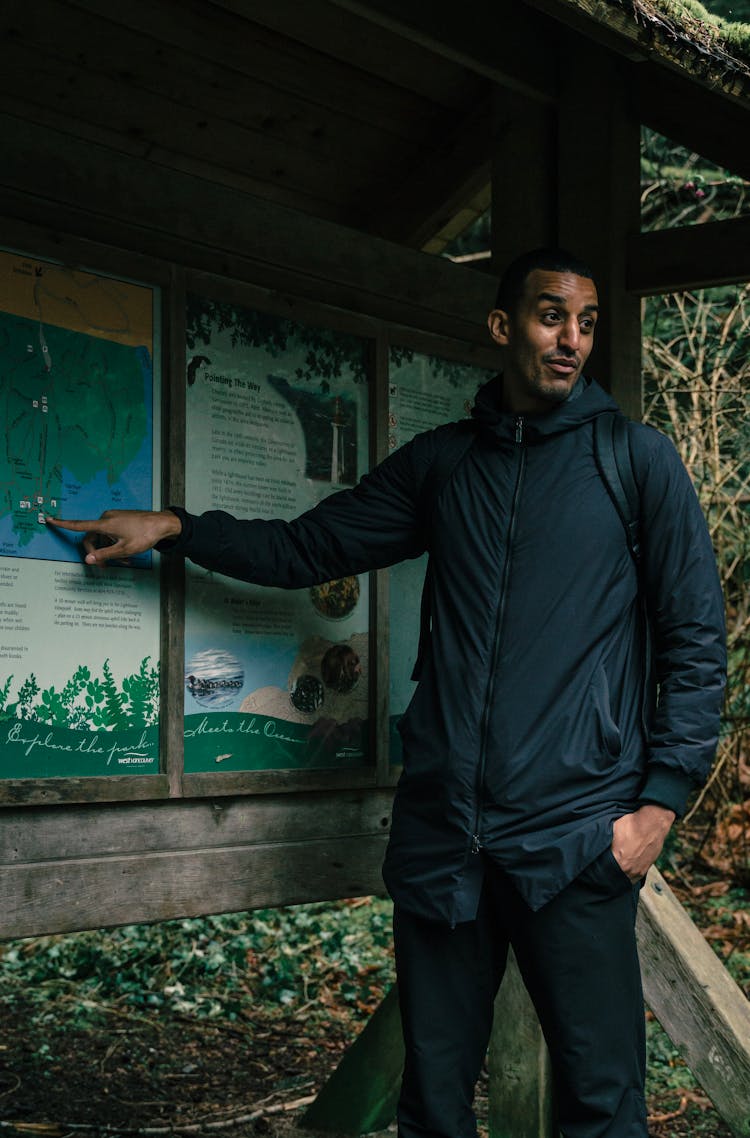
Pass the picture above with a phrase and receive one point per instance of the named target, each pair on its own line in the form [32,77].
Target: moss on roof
[709,31]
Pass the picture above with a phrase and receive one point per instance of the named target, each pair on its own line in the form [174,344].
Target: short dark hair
[549,259]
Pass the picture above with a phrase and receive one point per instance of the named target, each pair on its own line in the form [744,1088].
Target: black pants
[578,959]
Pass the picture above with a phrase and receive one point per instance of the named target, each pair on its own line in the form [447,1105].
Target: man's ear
[498,323]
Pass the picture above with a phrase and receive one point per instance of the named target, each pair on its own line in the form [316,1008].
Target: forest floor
[229,1025]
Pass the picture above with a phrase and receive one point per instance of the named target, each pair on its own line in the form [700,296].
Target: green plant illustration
[327,353]
[87,702]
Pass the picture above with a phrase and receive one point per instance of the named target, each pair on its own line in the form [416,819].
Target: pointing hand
[127,532]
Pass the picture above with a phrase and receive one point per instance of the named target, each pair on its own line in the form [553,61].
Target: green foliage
[667,1069]
[707,26]
[4,693]
[696,372]
[88,702]
[304,958]
[453,371]
[28,691]
[142,693]
[730,10]
[328,354]
[679,187]
[113,699]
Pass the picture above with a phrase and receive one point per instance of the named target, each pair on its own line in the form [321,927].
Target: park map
[76,381]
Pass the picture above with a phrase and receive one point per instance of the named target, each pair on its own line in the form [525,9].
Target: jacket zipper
[476,842]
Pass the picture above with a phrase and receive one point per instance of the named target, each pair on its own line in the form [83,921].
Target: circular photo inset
[214,678]
[340,668]
[336,600]
[307,694]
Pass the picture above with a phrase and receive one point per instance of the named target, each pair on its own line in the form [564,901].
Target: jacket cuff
[666,786]
[176,544]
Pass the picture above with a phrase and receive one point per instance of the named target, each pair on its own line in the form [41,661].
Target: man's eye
[550,317]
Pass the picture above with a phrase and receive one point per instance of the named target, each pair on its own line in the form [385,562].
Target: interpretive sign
[79,647]
[276,420]
[424,392]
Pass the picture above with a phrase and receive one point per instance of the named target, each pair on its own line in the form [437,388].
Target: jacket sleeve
[686,612]
[374,524]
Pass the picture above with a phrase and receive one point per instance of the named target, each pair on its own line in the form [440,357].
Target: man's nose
[570,336]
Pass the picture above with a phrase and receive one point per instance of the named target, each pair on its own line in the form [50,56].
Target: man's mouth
[562,366]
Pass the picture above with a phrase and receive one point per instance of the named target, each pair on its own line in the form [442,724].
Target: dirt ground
[141,1074]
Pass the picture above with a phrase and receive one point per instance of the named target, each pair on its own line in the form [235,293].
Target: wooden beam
[131,203]
[89,866]
[692,256]
[362,44]
[425,200]
[599,205]
[696,1001]
[500,41]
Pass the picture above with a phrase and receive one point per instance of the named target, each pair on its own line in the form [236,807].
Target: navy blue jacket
[533,725]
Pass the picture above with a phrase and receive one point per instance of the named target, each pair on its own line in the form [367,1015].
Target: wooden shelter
[311,160]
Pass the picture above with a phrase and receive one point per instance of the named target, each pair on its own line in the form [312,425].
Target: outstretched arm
[119,534]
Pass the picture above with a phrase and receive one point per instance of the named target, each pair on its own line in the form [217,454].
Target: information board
[277,416]
[79,647]
[424,392]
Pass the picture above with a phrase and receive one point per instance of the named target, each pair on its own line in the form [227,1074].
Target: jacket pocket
[608,731]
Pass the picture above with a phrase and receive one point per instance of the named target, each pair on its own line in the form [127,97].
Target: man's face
[547,340]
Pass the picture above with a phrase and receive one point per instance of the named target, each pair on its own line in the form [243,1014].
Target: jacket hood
[586,401]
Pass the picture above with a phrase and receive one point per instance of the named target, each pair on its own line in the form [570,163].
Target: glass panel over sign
[276,421]
[79,647]
[424,392]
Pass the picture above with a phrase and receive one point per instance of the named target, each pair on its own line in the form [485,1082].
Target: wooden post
[696,1001]
[599,204]
[520,1089]
[362,1092]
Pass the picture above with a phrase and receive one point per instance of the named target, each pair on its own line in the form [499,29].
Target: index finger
[98,526]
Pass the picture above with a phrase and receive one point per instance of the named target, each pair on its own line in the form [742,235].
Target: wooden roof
[375,115]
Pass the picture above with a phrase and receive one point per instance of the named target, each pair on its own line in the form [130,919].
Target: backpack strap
[615,462]
[440,470]
[439,473]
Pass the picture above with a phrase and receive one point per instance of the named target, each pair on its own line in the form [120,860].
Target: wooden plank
[599,206]
[91,52]
[502,42]
[47,835]
[520,1083]
[94,892]
[693,256]
[43,791]
[210,784]
[236,44]
[128,202]
[362,1093]
[371,48]
[88,103]
[696,1001]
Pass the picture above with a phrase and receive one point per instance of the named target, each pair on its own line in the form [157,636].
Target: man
[540,776]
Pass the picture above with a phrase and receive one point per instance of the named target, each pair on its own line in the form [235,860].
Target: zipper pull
[476,845]
[519,429]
